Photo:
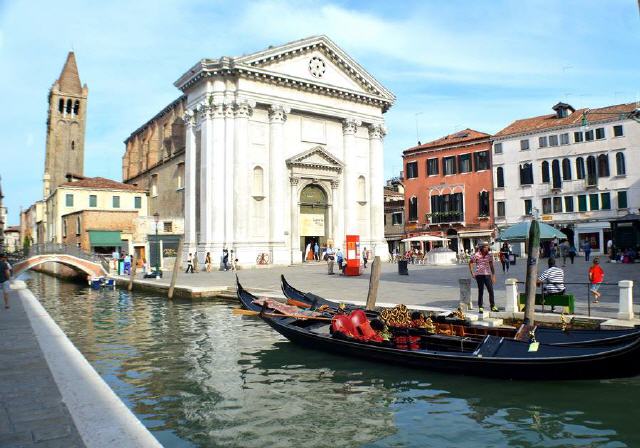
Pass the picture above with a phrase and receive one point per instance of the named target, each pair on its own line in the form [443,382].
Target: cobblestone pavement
[435,286]
[32,412]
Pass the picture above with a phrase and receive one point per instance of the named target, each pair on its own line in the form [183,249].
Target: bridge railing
[64,249]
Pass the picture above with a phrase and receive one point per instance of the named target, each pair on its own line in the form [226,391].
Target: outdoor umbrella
[520,232]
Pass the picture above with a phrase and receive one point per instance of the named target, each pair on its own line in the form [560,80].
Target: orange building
[448,189]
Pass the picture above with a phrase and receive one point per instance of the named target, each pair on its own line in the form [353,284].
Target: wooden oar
[243,312]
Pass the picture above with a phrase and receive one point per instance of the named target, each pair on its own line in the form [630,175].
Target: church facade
[283,148]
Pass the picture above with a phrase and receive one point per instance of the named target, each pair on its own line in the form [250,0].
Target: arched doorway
[452,234]
[313,219]
[570,234]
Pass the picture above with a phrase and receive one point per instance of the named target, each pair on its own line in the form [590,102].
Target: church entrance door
[313,220]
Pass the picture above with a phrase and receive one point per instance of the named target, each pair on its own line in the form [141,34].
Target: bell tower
[66,121]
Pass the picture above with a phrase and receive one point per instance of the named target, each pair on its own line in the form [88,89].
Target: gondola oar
[244,312]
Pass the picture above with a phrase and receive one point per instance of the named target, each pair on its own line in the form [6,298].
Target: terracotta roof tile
[101,183]
[69,81]
[540,123]
[463,136]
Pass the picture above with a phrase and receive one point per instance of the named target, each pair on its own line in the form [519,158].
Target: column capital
[294,181]
[189,117]
[350,126]
[278,113]
[215,110]
[229,109]
[244,108]
[377,131]
[335,183]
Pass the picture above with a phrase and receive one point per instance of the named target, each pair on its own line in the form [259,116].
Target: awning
[424,238]
[104,238]
[474,234]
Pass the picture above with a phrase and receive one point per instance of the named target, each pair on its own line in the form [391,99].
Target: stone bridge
[90,264]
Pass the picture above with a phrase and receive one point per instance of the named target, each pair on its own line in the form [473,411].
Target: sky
[452,64]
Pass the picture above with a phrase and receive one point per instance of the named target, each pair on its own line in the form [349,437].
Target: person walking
[330,259]
[5,276]
[225,259]
[364,257]
[610,251]
[316,251]
[596,277]
[340,259]
[189,264]
[572,252]
[564,251]
[482,269]
[504,257]
[586,247]
[127,264]
[207,262]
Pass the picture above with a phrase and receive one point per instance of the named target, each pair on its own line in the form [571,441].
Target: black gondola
[494,357]
[545,335]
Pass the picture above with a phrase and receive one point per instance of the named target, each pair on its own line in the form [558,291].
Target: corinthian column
[206,159]
[190,183]
[216,202]
[349,129]
[277,172]
[336,212]
[376,192]
[294,215]
[229,127]
[241,169]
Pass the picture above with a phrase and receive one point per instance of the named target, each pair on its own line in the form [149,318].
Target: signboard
[547,217]
[312,224]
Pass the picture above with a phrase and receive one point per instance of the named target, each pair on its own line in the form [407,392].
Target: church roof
[101,183]
[69,80]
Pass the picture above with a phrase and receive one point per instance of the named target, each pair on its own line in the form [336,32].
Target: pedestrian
[340,259]
[572,252]
[482,269]
[610,251]
[5,276]
[316,251]
[207,262]
[552,280]
[225,259]
[596,276]
[196,262]
[189,264]
[234,260]
[307,251]
[586,247]
[330,259]
[504,257]
[127,264]
[115,256]
[364,257]
[564,251]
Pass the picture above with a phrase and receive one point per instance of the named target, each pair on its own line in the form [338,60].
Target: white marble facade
[264,128]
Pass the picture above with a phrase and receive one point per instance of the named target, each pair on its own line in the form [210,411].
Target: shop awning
[104,238]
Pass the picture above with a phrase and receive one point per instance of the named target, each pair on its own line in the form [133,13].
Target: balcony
[445,217]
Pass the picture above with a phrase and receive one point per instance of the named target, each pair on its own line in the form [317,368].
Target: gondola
[546,335]
[494,357]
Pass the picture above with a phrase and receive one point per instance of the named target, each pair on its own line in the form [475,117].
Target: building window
[78,225]
[154,185]
[545,172]
[568,203]
[617,131]
[501,210]
[481,160]
[621,169]
[582,203]
[483,204]
[61,105]
[180,176]
[432,167]
[64,228]
[566,169]
[69,106]
[449,165]
[68,200]
[557,205]
[578,137]
[580,168]
[413,209]
[528,207]
[605,201]
[137,202]
[592,177]
[412,170]
[542,142]
[500,177]
[546,205]
[588,136]
[603,165]
[464,162]
[116,202]
[555,174]
[93,200]
[497,148]
[564,139]
[526,174]
[599,133]
[258,182]
[594,201]
[622,199]
[524,145]
[447,208]
[396,218]
[553,140]
[362,189]
[167,226]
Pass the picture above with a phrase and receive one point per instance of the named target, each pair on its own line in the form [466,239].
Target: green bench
[552,300]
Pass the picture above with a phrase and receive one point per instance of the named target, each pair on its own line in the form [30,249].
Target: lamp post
[156,218]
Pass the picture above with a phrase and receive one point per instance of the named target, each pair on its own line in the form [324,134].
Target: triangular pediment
[316,157]
[317,59]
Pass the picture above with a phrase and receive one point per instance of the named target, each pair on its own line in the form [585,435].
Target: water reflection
[199,376]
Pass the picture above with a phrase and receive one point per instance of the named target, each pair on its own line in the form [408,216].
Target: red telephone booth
[352,255]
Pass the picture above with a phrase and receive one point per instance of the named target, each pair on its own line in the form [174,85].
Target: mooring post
[176,268]
[465,292]
[533,250]
[374,280]
[625,310]
[132,274]
[511,293]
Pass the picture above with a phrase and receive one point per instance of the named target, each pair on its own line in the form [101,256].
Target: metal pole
[157,252]
[533,249]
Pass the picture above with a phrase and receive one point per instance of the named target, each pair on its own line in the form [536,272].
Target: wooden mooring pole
[533,250]
[132,274]
[176,268]
[374,280]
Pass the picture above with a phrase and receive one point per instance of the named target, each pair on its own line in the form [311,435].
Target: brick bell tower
[66,121]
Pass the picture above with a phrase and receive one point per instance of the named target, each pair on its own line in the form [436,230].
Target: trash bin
[512,259]
[402,267]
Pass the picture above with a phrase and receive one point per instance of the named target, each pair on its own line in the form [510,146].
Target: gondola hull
[494,357]
[546,335]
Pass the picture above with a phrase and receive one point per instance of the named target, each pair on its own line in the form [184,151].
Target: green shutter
[582,203]
[605,199]
[622,199]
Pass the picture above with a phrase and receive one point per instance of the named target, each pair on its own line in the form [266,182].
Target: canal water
[197,375]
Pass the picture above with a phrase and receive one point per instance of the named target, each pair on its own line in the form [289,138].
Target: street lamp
[156,218]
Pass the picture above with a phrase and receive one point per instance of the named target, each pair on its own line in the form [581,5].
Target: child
[596,276]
